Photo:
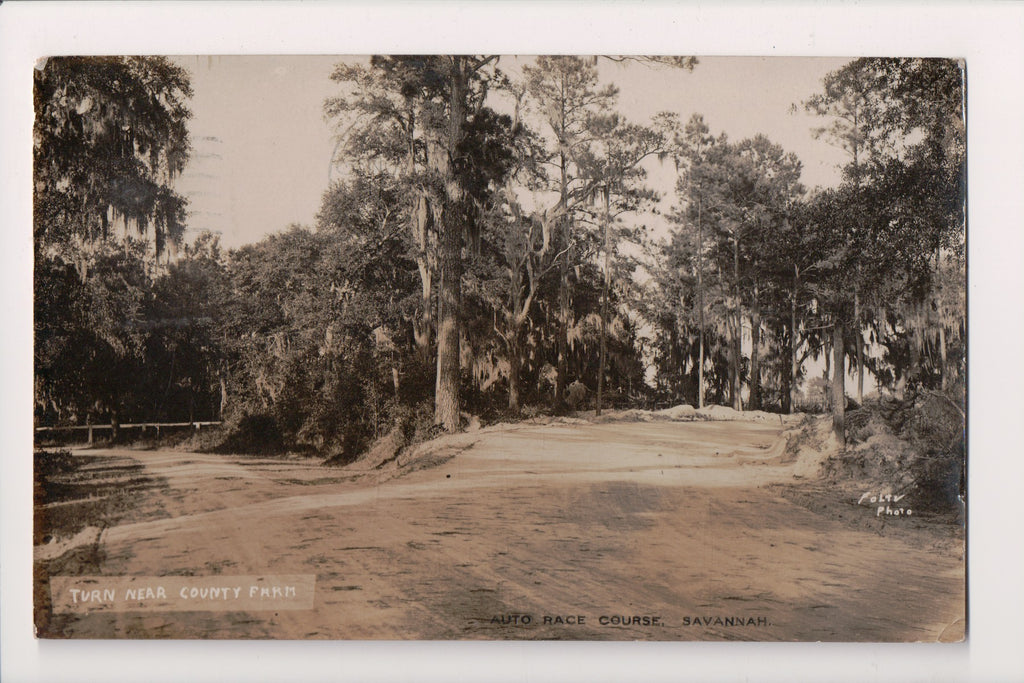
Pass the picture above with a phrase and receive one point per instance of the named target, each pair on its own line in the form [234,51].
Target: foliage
[878,258]
[482,249]
[916,443]
[110,135]
[89,336]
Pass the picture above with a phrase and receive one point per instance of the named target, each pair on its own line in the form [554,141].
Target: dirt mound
[387,458]
[394,455]
[434,453]
[679,412]
[727,414]
[912,448]
[251,435]
[809,445]
[383,450]
[623,415]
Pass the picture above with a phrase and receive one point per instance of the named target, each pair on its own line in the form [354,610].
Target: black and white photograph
[500,347]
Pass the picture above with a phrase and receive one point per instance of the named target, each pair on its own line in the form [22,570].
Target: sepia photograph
[500,347]
[392,342]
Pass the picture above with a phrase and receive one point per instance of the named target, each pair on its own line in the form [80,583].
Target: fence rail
[128,425]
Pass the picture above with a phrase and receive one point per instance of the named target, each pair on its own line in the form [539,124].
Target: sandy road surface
[574,526]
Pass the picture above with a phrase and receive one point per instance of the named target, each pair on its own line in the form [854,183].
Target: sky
[263,149]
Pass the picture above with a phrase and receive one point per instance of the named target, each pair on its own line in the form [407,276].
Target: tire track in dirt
[666,520]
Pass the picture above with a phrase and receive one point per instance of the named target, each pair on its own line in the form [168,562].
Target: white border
[989,35]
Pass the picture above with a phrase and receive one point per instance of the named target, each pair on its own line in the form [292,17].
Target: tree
[684,266]
[385,113]
[901,121]
[769,183]
[612,164]
[463,164]
[566,92]
[743,194]
[691,151]
[309,330]
[517,255]
[859,127]
[834,285]
[727,180]
[90,335]
[110,136]
[792,255]
[907,152]
[926,190]
[184,350]
[456,165]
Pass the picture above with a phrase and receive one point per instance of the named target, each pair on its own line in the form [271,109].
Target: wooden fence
[130,425]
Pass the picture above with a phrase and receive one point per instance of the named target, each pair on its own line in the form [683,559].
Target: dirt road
[651,531]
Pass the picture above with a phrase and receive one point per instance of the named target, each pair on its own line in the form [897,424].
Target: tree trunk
[602,354]
[223,398]
[737,353]
[700,371]
[446,399]
[514,368]
[826,373]
[700,302]
[419,219]
[604,303]
[858,340]
[115,425]
[785,396]
[732,368]
[423,325]
[446,402]
[563,291]
[943,357]
[916,348]
[755,353]
[738,359]
[793,369]
[838,386]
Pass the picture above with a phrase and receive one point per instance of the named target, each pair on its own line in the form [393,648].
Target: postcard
[481,347]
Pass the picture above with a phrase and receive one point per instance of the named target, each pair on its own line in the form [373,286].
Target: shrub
[915,444]
[414,424]
[257,434]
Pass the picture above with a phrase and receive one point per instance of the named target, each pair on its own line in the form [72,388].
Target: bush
[576,395]
[257,434]
[916,444]
[414,424]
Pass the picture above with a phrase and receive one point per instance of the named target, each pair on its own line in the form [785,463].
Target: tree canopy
[484,249]
[110,135]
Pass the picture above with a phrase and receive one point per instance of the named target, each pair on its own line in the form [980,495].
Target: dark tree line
[480,254]
[866,277]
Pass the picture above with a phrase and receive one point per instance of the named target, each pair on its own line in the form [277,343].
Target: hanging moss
[110,134]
